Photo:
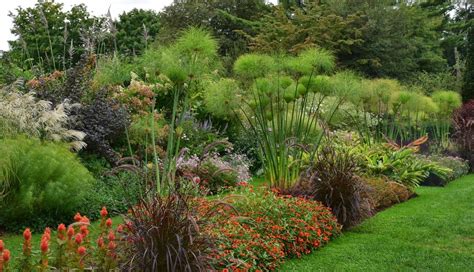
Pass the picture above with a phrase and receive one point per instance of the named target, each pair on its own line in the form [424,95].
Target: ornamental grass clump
[40,183]
[164,234]
[333,178]
[284,108]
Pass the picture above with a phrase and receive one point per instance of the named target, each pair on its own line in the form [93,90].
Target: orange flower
[111,236]
[81,250]
[77,217]
[100,242]
[84,230]
[27,234]
[112,245]
[84,219]
[78,238]
[120,228]
[44,246]
[61,228]
[108,222]
[2,246]
[6,255]
[70,232]
[104,212]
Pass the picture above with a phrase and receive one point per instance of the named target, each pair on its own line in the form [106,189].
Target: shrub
[385,193]
[213,172]
[458,166]
[40,183]
[163,235]
[256,229]
[332,179]
[464,131]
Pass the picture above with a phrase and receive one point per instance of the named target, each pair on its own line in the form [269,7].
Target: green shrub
[458,166]
[385,193]
[40,183]
[111,71]
[401,165]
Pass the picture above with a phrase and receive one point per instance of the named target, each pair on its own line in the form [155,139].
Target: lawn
[433,232]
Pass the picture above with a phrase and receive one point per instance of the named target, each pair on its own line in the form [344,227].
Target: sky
[96,7]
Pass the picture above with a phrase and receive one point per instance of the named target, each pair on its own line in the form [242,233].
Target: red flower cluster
[4,257]
[257,233]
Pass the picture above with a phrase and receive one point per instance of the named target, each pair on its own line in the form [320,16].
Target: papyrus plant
[284,108]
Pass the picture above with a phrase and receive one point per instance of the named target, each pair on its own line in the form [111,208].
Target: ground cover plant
[225,137]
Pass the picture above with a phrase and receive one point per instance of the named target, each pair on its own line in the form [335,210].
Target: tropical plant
[284,113]
[401,166]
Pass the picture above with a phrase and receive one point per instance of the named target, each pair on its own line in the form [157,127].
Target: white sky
[96,7]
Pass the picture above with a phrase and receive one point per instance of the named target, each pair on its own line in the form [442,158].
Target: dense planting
[229,137]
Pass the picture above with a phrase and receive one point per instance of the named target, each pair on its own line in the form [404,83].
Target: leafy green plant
[402,166]
[41,183]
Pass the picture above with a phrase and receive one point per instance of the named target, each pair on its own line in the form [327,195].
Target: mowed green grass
[432,232]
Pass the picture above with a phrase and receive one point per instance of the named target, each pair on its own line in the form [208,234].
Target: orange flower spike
[104,212]
[27,234]
[81,250]
[112,245]
[6,256]
[100,242]
[77,217]
[108,223]
[84,231]
[44,246]
[78,238]
[111,236]
[70,232]
[85,220]
[61,231]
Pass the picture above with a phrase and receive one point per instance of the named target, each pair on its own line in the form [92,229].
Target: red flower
[85,220]
[112,245]
[61,228]
[84,230]
[44,245]
[225,270]
[111,236]
[27,234]
[77,217]
[6,255]
[70,232]
[120,228]
[108,222]
[100,242]
[104,212]
[81,250]
[2,246]
[78,239]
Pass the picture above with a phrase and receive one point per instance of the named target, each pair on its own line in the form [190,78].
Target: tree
[228,20]
[135,30]
[50,38]
[468,87]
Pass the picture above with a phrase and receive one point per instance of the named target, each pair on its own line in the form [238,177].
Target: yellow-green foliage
[447,102]
[251,66]
[222,97]
[311,62]
[40,180]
